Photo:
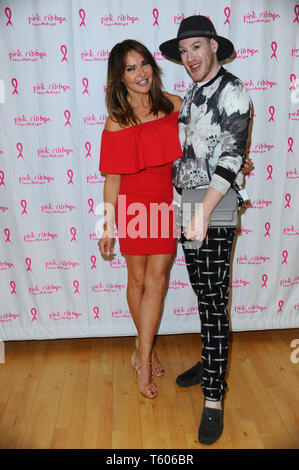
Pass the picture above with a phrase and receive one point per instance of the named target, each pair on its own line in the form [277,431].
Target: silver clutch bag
[225,213]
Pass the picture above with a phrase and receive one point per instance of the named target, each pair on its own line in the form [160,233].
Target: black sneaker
[192,376]
[211,425]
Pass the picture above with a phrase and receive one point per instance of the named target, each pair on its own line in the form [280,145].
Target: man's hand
[197,227]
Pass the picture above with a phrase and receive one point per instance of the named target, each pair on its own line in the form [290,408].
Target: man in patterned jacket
[213,129]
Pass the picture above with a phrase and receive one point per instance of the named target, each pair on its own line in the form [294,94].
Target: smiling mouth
[195,67]
[142,82]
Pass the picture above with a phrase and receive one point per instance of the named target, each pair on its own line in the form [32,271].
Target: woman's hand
[248,166]
[111,191]
[107,241]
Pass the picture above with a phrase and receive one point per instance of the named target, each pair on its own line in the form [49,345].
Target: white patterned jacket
[213,130]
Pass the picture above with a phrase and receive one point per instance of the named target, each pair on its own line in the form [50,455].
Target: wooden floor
[80,394]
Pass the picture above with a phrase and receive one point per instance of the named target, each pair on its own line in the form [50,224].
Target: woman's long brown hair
[117,104]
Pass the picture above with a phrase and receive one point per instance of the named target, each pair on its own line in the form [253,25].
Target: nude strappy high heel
[147,391]
[157,371]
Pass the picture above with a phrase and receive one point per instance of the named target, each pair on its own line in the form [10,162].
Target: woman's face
[138,74]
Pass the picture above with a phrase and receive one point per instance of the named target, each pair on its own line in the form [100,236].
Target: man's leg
[208,269]
[213,263]
[193,375]
[200,264]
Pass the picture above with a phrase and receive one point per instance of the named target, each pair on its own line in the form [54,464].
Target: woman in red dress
[139,145]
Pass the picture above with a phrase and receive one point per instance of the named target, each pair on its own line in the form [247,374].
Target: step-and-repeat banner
[54,282]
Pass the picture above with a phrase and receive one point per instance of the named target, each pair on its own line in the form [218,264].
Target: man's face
[198,55]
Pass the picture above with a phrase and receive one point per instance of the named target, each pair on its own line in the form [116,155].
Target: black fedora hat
[196,26]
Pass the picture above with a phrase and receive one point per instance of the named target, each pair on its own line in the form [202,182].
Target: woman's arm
[110,194]
[111,190]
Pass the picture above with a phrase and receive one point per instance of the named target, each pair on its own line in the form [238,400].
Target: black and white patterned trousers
[209,270]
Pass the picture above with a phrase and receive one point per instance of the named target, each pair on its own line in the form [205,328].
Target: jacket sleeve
[235,113]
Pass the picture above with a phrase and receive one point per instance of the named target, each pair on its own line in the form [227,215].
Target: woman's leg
[135,289]
[155,286]
[147,281]
[136,266]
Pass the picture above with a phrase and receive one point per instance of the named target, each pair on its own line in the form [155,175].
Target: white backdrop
[53,281]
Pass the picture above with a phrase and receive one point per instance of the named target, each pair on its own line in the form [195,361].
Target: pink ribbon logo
[24,206]
[33,313]
[70,174]
[274,49]
[2,178]
[7,233]
[285,255]
[63,49]
[280,305]
[76,285]
[291,143]
[265,279]
[85,84]
[14,83]
[28,262]
[91,204]
[267,227]
[271,112]
[270,171]
[8,15]
[93,259]
[88,148]
[73,232]
[156,16]
[288,200]
[82,16]
[13,286]
[96,311]
[293,81]
[296,10]
[20,149]
[67,115]
[227,14]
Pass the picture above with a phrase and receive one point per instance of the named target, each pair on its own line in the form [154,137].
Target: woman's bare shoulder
[176,101]
[112,125]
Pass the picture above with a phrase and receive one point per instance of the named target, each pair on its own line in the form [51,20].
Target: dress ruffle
[146,145]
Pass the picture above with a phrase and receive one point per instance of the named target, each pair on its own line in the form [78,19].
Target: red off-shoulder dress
[143,156]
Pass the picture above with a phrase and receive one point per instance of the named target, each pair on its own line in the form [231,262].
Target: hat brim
[170,48]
